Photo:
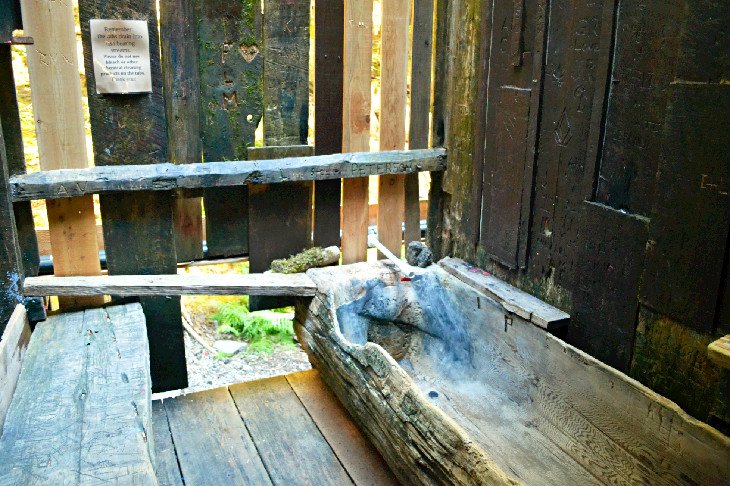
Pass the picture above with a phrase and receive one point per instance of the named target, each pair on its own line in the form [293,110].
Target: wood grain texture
[547,413]
[690,219]
[138,228]
[393,98]
[356,101]
[181,82]
[11,270]
[282,430]
[168,177]
[13,347]
[212,444]
[295,284]
[362,462]
[511,298]
[166,466]
[96,426]
[329,41]
[13,135]
[56,95]
[231,107]
[421,54]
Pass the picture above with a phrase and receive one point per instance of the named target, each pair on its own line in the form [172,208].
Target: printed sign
[121,53]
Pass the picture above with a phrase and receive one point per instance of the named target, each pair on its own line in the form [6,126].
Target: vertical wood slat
[280,215]
[56,95]
[181,80]
[422,51]
[10,119]
[329,19]
[11,273]
[231,66]
[138,228]
[394,71]
[356,124]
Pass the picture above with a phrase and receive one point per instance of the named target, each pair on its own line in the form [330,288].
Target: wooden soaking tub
[453,388]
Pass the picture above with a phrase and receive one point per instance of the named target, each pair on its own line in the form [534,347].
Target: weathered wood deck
[286,430]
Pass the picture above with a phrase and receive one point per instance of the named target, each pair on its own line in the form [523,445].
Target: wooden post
[394,70]
[11,271]
[356,124]
[10,118]
[280,215]
[56,95]
[329,19]
[138,228]
[420,107]
[231,66]
[180,76]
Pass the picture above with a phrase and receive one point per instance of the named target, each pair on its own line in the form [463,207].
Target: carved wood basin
[452,388]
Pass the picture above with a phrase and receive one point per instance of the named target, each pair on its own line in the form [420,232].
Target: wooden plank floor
[286,430]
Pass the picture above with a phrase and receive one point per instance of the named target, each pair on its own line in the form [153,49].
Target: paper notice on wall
[121,53]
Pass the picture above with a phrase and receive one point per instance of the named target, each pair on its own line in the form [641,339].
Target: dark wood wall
[589,163]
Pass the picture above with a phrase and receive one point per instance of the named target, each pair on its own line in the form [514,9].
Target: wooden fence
[217,70]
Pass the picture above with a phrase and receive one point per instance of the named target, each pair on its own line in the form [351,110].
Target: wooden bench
[81,410]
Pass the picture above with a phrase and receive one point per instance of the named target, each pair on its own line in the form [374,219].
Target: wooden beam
[56,94]
[181,80]
[231,77]
[511,298]
[356,124]
[11,266]
[13,345]
[329,20]
[168,177]
[391,188]
[298,285]
[421,55]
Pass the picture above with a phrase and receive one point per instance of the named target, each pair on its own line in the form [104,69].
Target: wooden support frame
[168,177]
[11,268]
[296,285]
[56,96]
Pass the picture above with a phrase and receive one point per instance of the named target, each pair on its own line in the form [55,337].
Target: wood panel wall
[588,165]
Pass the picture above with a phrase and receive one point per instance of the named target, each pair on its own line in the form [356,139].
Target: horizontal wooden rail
[298,285]
[54,184]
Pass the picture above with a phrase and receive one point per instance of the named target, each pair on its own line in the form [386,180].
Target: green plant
[261,330]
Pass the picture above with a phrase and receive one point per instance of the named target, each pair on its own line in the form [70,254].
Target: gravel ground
[206,371]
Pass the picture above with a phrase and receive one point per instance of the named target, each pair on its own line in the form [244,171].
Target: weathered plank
[167,177]
[138,228]
[56,95]
[393,97]
[281,429]
[181,81]
[421,54]
[166,466]
[279,220]
[231,68]
[9,20]
[609,264]
[212,444]
[13,346]
[640,79]
[356,124]
[329,40]
[12,133]
[295,284]
[81,412]
[511,298]
[11,270]
[362,462]
[690,220]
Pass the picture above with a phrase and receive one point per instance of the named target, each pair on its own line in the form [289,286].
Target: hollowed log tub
[453,388]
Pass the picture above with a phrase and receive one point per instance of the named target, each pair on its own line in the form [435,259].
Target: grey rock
[418,255]
[227,346]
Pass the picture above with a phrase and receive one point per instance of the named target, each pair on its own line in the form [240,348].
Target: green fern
[262,329]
